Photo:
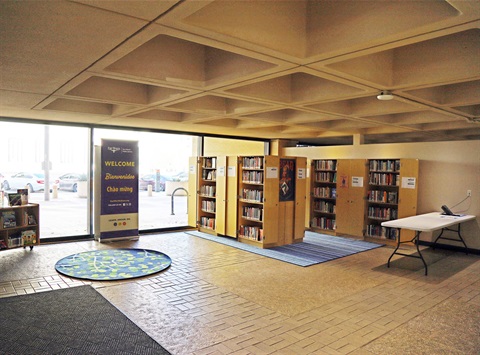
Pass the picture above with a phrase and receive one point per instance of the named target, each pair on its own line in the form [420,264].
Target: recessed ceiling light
[385,95]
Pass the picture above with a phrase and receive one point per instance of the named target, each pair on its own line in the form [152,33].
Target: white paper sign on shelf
[409,182]
[357,181]
[221,171]
[232,171]
[301,173]
[272,172]
[192,169]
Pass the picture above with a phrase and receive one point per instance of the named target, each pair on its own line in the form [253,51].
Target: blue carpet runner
[315,249]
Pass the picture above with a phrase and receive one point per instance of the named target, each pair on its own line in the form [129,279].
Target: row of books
[210,175]
[382,213]
[325,192]
[324,223]
[24,238]
[253,177]
[324,176]
[377,231]
[384,165]
[324,206]
[252,233]
[207,222]
[210,162]
[207,190]
[208,206]
[325,165]
[9,219]
[383,196]
[252,195]
[252,162]
[384,179]
[254,213]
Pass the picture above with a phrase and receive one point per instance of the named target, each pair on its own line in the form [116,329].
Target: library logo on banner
[113,149]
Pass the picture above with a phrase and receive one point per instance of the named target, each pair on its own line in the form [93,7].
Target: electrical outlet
[469,193]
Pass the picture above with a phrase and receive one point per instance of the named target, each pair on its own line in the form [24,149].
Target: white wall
[447,171]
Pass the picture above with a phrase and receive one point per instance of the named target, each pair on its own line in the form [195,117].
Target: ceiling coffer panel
[179,61]
[308,28]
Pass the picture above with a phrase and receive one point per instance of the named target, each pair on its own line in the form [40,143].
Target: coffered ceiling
[303,70]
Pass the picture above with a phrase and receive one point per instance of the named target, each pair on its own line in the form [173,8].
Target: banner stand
[116,190]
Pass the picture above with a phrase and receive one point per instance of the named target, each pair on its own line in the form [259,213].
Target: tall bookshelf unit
[392,194]
[263,219]
[258,201]
[207,194]
[323,196]
[25,231]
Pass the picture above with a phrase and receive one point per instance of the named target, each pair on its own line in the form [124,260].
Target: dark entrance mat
[76,320]
[315,249]
[113,264]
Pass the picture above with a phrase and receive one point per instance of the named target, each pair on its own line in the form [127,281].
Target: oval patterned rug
[113,264]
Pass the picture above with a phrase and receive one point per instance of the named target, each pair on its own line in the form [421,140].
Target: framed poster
[287,180]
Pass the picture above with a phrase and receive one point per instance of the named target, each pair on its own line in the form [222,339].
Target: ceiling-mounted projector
[385,95]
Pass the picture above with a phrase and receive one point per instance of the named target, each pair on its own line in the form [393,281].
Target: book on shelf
[23,196]
[15,199]
[29,219]
[15,241]
[9,219]
[29,237]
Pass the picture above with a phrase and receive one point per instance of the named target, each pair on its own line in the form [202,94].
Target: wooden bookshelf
[19,226]
[255,215]
[211,208]
[338,190]
[323,196]
[392,194]
[272,198]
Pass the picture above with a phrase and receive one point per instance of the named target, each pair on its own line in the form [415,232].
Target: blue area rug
[315,249]
[113,264]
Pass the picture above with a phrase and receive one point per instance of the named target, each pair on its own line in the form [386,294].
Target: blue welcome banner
[119,189]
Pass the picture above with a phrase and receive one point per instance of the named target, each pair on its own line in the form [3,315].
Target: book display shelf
[253,213]
[19,226]
[323,196]
[272,200]
[207,194]
[392,194]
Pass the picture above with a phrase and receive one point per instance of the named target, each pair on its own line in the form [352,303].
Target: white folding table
[428,222]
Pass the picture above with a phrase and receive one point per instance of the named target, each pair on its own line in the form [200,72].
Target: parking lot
[66,214]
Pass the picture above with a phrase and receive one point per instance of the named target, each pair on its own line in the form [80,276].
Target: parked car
[182,176]
[31,181]
[70,181]
[149,179]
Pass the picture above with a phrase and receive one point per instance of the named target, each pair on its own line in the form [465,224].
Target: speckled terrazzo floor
[215,299]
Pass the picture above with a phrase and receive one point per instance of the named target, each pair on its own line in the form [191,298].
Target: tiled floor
[215,299]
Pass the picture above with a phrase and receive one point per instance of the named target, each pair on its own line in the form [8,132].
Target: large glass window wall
[52,163]
[36,155]
[163,175]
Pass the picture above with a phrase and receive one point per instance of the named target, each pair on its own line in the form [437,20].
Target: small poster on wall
[287,180]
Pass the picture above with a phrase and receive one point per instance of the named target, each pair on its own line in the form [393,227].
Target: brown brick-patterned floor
[215,299]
